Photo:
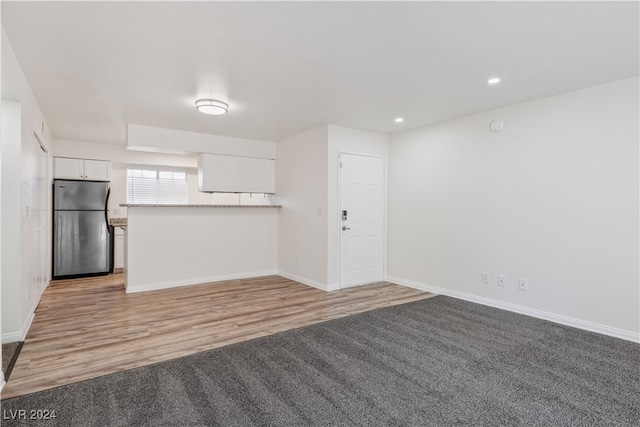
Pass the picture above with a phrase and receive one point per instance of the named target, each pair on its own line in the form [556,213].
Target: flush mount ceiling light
[493,81]
[211,106]
[399,120]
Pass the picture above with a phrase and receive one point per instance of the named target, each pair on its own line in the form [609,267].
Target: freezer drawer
[81,243]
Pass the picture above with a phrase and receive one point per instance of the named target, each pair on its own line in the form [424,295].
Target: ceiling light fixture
[399,120]
[493,81]
[211,106]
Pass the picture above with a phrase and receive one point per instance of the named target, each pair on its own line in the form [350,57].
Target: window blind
[156,186]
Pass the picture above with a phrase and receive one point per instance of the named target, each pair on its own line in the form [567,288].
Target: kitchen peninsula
[176,245]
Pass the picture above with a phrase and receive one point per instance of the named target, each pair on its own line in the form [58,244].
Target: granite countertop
[127,205]
[118,222]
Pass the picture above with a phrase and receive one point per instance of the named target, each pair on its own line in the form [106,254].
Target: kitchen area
[226,228]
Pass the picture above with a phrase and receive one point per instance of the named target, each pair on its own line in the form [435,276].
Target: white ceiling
[289,66]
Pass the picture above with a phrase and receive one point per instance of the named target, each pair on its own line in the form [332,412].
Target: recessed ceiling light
[399,119]
[493,81]
[211,106]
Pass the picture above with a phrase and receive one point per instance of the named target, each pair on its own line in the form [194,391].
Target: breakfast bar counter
[176,245]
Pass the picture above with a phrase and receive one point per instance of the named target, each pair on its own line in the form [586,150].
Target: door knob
[344,228]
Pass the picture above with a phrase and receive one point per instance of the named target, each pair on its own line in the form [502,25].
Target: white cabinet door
[97,170]
[118,251]
[93,170]
[233,174]
[65,168]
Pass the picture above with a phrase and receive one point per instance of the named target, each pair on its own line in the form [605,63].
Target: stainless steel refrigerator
[80,228]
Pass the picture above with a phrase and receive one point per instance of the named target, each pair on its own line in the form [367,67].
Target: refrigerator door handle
[106,210]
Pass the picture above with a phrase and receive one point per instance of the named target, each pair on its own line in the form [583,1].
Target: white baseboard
[325,287]
[19,335]
[553,317]
[333,287]
[2,381]
[197,281]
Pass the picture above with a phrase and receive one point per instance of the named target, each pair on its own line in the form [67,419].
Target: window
[156,186]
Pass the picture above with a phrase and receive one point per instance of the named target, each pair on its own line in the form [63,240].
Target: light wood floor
[85,328]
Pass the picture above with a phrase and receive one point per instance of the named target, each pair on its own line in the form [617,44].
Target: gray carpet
[10,354]
[435,362]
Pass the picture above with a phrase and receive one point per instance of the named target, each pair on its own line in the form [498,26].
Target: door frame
[385,208]
[43,192]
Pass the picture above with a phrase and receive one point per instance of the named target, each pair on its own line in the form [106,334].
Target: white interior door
[361,220]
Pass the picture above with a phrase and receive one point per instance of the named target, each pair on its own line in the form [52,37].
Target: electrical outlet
[502,280]
[485,277]
[522,284]
[117,211]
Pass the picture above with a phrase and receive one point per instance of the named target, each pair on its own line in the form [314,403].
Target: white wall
[178,246]
[10,150]
[118,154]
[301,189]
[2,381]
[352,141]
[22,119]
[553,198]
[184,142]
[307,187]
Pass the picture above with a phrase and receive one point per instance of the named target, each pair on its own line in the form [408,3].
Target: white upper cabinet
[97,170]
[68,168]
[234,174]
[91,170]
